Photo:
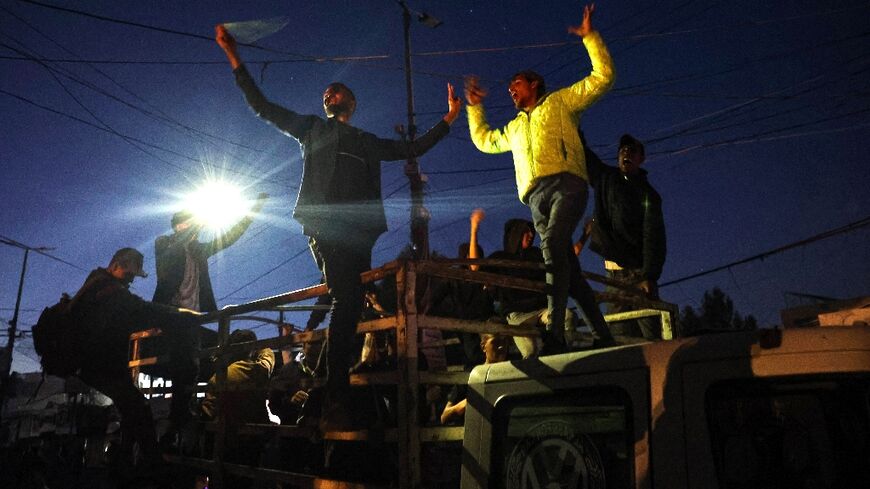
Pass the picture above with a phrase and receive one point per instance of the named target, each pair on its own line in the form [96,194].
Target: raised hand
[474,94]
[454,103]
[477,216]
[585,26]
[228,43]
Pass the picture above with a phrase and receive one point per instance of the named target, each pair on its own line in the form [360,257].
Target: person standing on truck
[183,281]
[339,204]
[108,313]
[628,228]
[550,167]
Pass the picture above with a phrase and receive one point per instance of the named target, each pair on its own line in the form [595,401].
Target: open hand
[454,103]
[585,27]
[224,39]
[474,94]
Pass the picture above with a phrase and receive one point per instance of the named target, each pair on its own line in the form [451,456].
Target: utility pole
[6,366]
[419,213]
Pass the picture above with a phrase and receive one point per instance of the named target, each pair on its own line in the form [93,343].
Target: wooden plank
[267,302]
[387,435]
[442,433]
[148,333]
[489,278]
[467,326]
[142,362]
[375,274]
[380,324]
[219,444]
[375,378]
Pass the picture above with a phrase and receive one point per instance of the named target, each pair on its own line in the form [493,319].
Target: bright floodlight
[217,204]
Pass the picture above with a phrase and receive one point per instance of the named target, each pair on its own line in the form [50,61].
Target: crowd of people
[340,207]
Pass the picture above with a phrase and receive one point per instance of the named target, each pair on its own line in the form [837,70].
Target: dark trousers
[183,368]
[137,423]
[342,258]
[648,327]
[558,203]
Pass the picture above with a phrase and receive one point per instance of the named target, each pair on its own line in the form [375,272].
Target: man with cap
[183,281]
[107,313]
[628,228]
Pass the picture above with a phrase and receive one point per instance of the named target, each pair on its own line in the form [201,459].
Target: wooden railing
[407,322]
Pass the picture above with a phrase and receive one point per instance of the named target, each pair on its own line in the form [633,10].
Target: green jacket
[544,141]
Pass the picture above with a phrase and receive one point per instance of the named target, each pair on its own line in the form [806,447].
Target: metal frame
[407,322]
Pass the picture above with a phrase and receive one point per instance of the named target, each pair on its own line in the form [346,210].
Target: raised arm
[588,90]
[484,138]
[226,239]
[594,165]
[289,122]
[391,149]
[476,217]
[228,43]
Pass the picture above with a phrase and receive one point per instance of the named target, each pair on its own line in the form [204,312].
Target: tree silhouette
[717,314]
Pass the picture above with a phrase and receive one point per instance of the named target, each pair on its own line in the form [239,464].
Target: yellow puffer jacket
[544,141]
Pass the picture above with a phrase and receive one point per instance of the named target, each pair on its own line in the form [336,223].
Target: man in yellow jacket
[550,166]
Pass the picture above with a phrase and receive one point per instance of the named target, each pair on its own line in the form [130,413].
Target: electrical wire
[853,226]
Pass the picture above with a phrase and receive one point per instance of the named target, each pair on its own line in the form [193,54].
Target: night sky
[753,113]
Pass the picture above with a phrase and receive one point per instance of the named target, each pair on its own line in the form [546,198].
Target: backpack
[56,339]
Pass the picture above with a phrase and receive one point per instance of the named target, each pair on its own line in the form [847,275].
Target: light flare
[217,204]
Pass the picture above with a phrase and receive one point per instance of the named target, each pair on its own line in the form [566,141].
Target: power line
[163,117]
[761,256]
[267,272]
[199,36]
[17,244]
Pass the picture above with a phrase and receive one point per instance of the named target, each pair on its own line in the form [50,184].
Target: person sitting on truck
[243,398]
[495,349]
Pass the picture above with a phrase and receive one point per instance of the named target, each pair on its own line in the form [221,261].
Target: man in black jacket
[108,313]
[628,229]
[183,281]
[339,203]
[182,260]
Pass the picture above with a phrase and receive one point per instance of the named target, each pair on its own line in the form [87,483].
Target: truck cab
[761,409]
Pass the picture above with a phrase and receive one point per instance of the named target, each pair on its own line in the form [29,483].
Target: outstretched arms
[588,90]
[289,122]
[391,149]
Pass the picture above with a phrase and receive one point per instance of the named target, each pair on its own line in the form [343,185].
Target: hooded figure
[519,234]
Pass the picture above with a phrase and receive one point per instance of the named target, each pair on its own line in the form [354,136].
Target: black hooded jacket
[516,300]
[629,227]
